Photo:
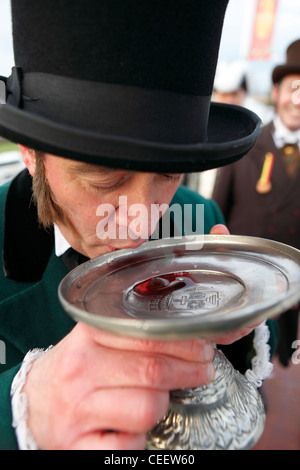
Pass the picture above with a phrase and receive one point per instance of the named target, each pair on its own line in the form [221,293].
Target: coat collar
[27,246]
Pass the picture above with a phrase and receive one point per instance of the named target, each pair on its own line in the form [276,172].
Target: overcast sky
[235,40]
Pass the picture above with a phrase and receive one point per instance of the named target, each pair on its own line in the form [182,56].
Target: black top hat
[123,83]
[292,65]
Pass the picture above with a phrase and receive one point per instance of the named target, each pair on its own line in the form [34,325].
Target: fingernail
[209,352]
[210,372]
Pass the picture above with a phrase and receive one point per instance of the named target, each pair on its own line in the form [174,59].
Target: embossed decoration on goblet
[228,414]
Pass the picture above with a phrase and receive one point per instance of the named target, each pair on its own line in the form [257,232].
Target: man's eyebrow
[81,168]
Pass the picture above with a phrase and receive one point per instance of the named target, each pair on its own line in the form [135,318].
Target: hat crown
[170,44]
[292,64]
[293,53]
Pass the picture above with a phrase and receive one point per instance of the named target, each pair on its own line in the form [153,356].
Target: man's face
[286,97]
[98,203]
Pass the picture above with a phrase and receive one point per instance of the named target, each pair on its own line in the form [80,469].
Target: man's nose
[139,211]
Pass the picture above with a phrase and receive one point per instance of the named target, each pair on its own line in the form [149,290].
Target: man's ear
[28,156]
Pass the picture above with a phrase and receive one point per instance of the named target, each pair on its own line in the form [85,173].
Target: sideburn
[48,211]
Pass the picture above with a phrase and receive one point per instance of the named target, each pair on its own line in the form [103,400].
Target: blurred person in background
[260,195]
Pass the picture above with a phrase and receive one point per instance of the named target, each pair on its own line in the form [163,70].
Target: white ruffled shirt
[283,135]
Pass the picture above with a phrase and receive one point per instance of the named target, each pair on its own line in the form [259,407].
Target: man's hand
[95,390]
[219,230]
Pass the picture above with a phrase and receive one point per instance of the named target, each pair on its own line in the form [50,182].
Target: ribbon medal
[264,184]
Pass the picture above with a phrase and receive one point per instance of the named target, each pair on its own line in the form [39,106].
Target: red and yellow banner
[262,37]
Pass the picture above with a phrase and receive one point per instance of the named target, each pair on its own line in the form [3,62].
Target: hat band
[111,109]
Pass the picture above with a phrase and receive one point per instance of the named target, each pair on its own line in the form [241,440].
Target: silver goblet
[187,288]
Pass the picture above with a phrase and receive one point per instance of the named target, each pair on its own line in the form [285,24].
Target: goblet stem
[227,414]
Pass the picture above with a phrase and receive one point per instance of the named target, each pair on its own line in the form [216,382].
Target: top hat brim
[232,131]
[282,71]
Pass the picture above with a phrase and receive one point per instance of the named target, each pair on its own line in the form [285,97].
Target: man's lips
[126,246]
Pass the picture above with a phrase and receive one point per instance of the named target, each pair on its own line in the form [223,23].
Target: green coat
[30,313]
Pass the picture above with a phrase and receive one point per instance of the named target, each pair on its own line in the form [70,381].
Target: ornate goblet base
[228,414]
